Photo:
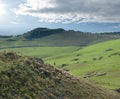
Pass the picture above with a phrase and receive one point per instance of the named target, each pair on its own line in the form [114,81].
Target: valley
[60,49]
[91,58]
[98,58]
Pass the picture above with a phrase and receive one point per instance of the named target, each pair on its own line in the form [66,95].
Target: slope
[30,78]
[55,37]
[94,60]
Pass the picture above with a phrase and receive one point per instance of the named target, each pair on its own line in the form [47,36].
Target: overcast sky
[19,16]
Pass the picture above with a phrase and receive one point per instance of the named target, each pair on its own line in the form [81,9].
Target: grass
[102,57]
[54,38]
[30,78]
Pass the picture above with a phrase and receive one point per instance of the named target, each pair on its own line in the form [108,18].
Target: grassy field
[29,78]
[100,63]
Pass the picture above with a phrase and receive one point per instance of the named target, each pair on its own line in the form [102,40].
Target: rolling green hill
[66,49]
[55,37]
[29,78]
[100,63]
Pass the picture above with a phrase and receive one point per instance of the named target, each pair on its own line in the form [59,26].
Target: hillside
[92,60]
[61,37]
[29,78]
[55,37]
[41,32]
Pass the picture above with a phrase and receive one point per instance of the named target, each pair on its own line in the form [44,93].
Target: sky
[20,16]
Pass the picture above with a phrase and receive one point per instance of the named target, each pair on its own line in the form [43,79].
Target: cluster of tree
[6,36]
[110,33]
[41,32]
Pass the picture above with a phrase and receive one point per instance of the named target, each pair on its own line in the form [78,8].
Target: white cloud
[67,11]
[13,22]
[3,12]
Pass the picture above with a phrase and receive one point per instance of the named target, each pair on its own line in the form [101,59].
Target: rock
[89,74]
[118,90]
[101,74]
